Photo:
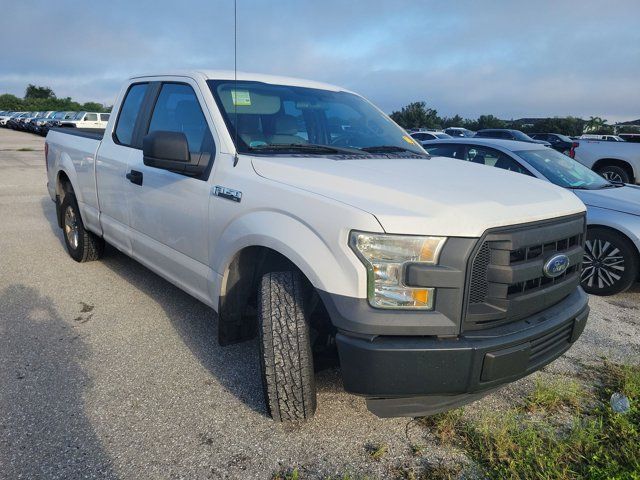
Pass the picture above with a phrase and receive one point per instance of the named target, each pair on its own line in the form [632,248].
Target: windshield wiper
[613,184]
[304,147]
[388,149]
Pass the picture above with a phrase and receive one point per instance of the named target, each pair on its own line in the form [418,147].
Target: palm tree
[595,124]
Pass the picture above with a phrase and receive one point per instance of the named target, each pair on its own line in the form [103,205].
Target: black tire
[610,262]
[86,246]
[614,173]
[285,348]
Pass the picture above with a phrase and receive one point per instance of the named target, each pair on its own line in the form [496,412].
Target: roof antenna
[234,97]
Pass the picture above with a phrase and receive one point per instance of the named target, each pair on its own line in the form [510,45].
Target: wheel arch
[237,302]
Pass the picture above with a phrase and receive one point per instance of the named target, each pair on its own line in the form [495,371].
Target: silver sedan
[613,209]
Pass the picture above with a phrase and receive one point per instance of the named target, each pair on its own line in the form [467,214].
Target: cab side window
[446,150]
[128,115]
[178,110]
[493,158]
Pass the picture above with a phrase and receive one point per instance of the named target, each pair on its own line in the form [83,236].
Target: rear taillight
[572,151]
[46,154]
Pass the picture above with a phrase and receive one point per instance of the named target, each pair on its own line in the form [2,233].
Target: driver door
[168,211]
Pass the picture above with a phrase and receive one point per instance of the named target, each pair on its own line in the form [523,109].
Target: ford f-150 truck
[302,214]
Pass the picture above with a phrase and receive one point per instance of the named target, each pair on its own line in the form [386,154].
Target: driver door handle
[134,176]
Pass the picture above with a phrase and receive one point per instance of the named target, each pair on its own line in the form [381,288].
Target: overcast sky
[508,58]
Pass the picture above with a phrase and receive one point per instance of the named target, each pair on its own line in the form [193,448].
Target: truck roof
[245,76]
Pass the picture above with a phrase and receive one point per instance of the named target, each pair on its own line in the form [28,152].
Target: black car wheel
[610,262]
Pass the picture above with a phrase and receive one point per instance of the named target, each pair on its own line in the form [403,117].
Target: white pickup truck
[615,161]
[302,214]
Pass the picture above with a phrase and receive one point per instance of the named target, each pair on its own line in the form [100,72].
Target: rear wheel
[82,245]
[614,173]
[285,348]
[610,262]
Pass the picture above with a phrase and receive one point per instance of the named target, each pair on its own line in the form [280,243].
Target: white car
[424,136]
[606,138]
[87,120]
[299,211]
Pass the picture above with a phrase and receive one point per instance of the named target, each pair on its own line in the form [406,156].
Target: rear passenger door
[168,211]
[112,162]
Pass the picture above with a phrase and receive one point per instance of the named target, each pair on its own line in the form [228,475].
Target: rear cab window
[128,116]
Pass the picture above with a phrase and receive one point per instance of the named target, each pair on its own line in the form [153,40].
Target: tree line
[38,99]
[417,115]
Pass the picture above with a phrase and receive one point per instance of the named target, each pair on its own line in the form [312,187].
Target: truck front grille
[507,282]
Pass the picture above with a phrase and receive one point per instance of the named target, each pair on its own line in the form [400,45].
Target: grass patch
[377,451]
[529,442]
[552,395]
[291,474]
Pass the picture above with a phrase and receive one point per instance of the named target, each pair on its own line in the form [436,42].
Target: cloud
[508,58]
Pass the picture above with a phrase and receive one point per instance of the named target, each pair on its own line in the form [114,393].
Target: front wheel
[610,262]
[614,173]
[285,348]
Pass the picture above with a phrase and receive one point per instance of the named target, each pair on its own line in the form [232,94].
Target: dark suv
[561,143]
[507,134]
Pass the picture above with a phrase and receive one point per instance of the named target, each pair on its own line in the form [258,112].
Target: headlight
[385,257]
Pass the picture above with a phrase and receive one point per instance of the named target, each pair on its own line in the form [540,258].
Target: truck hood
[621,199]
[436,196]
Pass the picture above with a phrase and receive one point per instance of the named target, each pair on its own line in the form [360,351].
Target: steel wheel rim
[71,228]
[603,264]
[612,176]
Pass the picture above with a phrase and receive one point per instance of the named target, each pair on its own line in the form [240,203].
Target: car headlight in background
[385,257]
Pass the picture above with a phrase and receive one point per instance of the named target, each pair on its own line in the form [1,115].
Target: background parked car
[4,118]
[35,123]
[459,132]
[15,121]
[605,138]
[87,120]
[613,209]
[424,136]
[55,121]
[558,142]
[630,137]
[508,134]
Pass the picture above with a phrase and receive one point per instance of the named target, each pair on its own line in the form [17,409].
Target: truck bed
[93,133]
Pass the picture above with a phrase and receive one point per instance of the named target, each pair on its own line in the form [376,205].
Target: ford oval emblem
[556,266]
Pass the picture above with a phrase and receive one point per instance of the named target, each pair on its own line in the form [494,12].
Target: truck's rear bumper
[411,376]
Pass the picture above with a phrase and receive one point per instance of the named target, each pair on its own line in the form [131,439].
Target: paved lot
[108,371]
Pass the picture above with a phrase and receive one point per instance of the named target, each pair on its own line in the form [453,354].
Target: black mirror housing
[169,151]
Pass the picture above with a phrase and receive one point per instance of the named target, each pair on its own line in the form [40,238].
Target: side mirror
[169,151]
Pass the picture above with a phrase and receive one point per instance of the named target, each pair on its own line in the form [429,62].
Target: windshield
[518,135]
[563,170]
[287,118]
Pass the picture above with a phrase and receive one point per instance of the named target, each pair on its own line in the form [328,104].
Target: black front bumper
[419,375]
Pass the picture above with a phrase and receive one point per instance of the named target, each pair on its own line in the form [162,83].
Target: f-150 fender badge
[228,193]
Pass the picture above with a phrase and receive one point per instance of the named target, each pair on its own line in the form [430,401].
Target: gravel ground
[108,371]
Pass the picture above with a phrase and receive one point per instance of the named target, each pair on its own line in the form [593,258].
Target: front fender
[327,261]
[625,223]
